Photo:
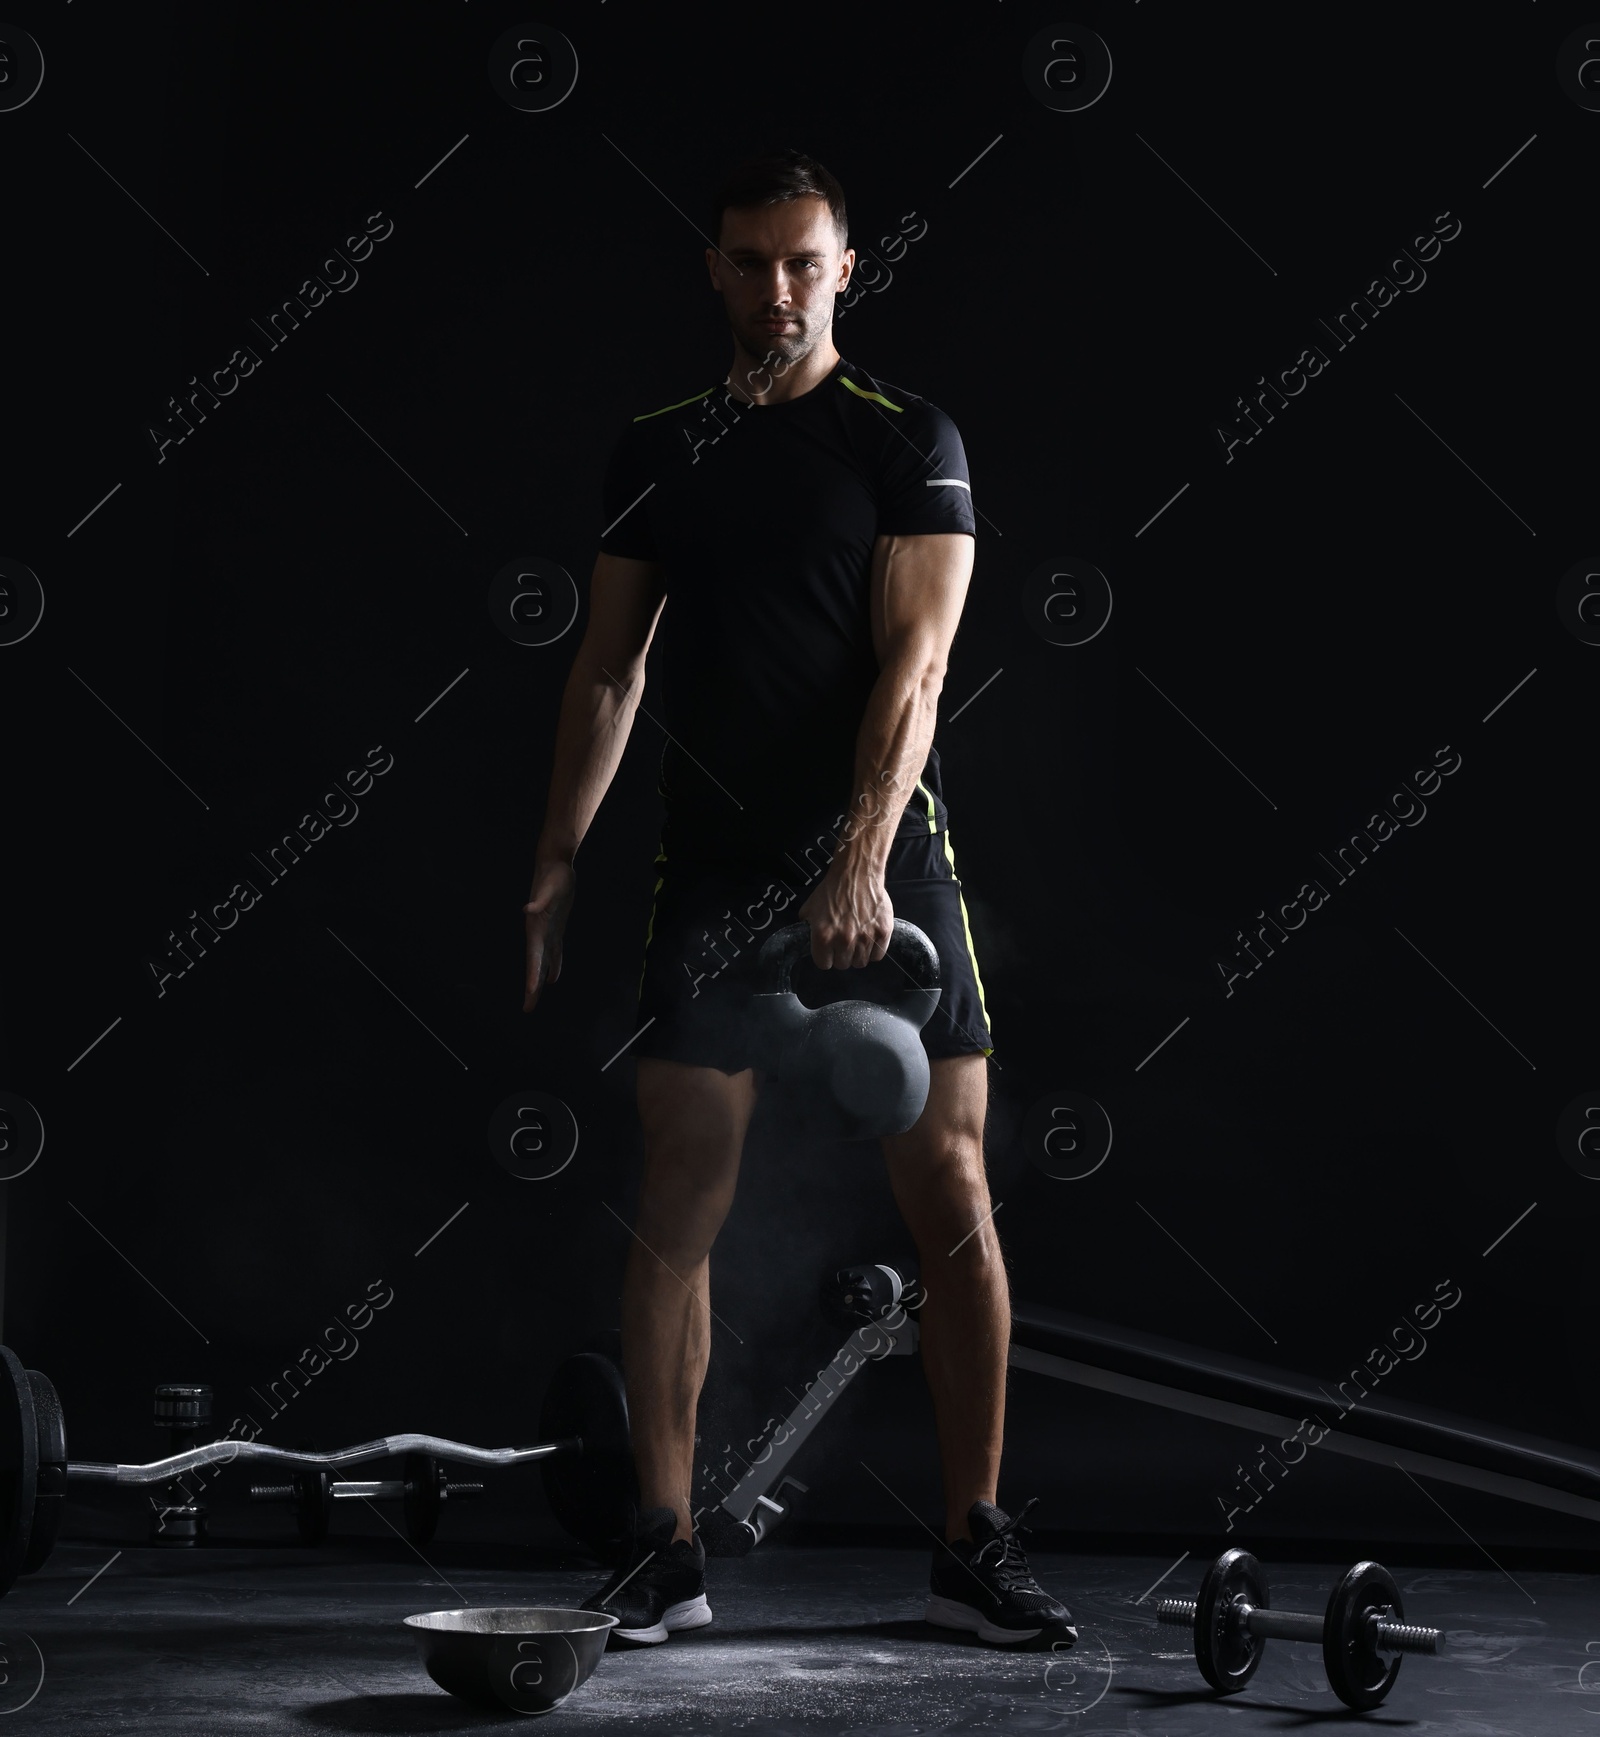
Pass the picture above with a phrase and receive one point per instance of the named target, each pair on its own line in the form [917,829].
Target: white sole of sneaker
[946,1613]
[691,1613]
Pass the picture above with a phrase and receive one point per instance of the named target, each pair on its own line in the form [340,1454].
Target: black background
[241,1157]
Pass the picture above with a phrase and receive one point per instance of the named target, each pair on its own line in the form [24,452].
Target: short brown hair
[775,177]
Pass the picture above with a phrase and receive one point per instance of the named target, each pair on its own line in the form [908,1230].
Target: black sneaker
[658,1586]
[986,1585]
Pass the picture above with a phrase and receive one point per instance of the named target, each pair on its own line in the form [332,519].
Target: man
[804,537]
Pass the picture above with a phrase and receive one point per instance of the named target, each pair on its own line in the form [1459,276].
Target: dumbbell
[422,1486]
[1231,1620]
[585,1459]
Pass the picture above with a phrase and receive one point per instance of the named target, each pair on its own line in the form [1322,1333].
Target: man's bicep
[919,584]
[625,602]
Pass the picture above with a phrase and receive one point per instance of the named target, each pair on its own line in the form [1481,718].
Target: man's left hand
[851,917]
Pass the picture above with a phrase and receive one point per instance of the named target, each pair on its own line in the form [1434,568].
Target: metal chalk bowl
[522,1657]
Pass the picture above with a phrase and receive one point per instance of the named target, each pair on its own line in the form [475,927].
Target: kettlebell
[853,1069]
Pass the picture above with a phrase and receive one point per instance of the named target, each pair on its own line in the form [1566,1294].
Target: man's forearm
[891,750]
[596,715]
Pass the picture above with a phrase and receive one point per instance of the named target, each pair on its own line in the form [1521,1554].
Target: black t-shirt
[763,520]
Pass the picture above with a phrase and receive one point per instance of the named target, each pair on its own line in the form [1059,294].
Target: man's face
[786,268]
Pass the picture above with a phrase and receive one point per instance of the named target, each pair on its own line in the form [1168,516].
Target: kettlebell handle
[783,948]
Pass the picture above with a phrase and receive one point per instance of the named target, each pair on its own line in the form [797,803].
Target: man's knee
[943,1192]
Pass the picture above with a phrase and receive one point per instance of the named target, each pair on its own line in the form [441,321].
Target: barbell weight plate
[1224,1649]
[1357,1672]
[593,1494]
[19,1466]
[607,1341]
[50,1430]
[422,1498]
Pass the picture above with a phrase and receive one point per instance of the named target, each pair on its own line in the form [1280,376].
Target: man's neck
[782,383]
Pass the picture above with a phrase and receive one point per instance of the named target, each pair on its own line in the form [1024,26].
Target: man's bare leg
[694,1121]
[937,1174]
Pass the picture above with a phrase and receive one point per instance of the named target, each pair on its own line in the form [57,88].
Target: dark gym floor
[806,1638]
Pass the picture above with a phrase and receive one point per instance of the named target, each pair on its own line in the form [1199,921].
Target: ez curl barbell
[585,1460]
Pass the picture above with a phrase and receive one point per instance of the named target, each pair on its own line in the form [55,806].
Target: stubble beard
[778,352]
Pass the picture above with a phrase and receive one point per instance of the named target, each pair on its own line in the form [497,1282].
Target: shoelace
[1010,1570]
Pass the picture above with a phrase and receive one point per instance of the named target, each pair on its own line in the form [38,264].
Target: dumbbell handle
[379,1490]
[1391,1637]
[226,1452]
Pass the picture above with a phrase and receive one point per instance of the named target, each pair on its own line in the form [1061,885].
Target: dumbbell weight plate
[1357,1672]
[422,1500]
[592,1494]
[19,1466]
[50,1429]
[313,1503]
[1226,1652]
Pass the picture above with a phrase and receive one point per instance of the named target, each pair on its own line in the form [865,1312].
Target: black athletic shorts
[709,918]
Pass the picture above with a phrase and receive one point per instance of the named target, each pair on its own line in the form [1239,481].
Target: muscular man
[802,535]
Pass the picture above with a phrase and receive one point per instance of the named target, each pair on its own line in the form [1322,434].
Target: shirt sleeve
[924,486]
[624,501]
